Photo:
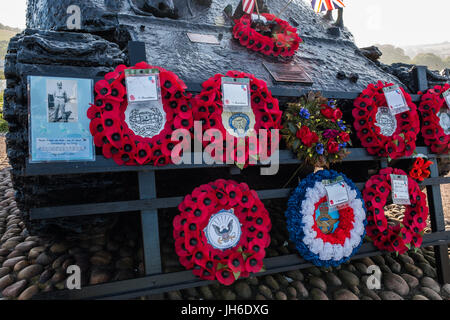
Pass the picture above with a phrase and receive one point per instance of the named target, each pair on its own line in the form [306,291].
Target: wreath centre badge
[386,121]
[223,230]
[237,116]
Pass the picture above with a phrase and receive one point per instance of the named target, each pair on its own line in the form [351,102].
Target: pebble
[333,280]
[30,272]
[4,271]
[430,294]
[10,244]
[15,289]
[12,262]
[301,290]
[260,297]
[29,292]
[58,276]
[419,297]
[370,293]
[295,274]
[406,259]
[395,283]
[35,252]
[413,270]
[344,294]
[227,294]
[174,295]
[6,281]
[265,291]
[445,290]
[271,283]
[428,270]
[206,292]
[314,271]
[46,275]
[411,280]
[361,267]
[318,283]
[20,265]
[124,263]
[101,258]
[280,295]
[348,278]
[44,259]
[26,246]
[379,260]
[99,276]
[291,292]
[123,274]
[389,295]
[15,253]
[317,294]
[430,283]
[243,290]
[58,248]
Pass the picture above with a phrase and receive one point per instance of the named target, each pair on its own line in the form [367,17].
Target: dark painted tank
[47,46]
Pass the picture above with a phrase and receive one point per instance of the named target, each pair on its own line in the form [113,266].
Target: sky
[398,22]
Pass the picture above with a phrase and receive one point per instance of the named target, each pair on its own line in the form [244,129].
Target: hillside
[439,49]
[5,34]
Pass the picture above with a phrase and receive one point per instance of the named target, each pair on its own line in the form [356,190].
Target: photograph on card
[62,104]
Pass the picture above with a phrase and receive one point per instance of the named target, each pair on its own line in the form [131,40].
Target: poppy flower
[253,264]
[225,276]
[102,88]
[236,262]
[332,147]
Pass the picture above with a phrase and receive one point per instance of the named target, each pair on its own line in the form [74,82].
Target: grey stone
[428,270]
[272,283]
[29,292]
[344,294]
[265,291]
[280,295]
[57,277]
[260,297]
[348,278]
[366,298]
[370,293]
[379,260]
[14,254]
[430,283]
[35,252]
[291,292]
[12,262]
[314,271]
[227,294]
[318,283]
[395,283]
[301,290]
[6,281]
[174,295]
[99,276]
[243,290]
[46,275]
[413,270]
[361,267]
[445,291]
[411,280]
[30,272]
[20,265]
[295,274]
[317,294]
[430,294]
[101,258]
[419,297]
[44,259]
[206,293]
[58,248]
[389,295]
[26,246]
[406,259]
[4,271]
[14,290]
[333,280]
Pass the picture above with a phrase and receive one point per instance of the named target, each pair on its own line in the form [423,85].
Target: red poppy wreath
[405,235]
[381,132]
[208,109]
[435,119]
[113,134]
[222,231]
[276,38]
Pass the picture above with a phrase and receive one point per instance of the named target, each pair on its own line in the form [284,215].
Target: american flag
[248,6]
[326,5]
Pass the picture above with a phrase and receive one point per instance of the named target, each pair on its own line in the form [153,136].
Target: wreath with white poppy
[222,231]
[320,237]
[402,142]
[405,235]
[280,38]
[112,133]
[431,104]
[208,109]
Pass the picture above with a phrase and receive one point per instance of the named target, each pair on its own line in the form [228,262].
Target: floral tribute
[112,133]
[403,236]
[380,132]
[315,131]
[274,38]
[324,236]
[419,170]
[208,109]
[435,119]
[222,231]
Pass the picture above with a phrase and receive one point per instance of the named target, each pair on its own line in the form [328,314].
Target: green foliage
[3,123]
[393,54]
[430,60]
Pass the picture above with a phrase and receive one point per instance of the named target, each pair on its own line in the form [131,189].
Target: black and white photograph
[62,105]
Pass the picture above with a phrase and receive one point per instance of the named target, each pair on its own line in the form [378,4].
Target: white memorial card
[400,192]
[395,99]
[236,93]
[337,194]
[446,96]
[142,85]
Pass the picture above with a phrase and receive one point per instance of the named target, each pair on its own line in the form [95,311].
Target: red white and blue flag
[248,6]
[326,5]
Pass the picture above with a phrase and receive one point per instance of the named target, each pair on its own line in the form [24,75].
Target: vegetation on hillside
[3,123]
[392,54]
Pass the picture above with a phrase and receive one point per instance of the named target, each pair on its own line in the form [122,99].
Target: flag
[326,5]
[248,6]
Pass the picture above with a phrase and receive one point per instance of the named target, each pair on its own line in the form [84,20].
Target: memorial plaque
[203,38]
[288,72]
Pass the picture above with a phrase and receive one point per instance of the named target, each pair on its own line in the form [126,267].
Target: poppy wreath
[314,130]
[222,231]
[208,108]
[402,142]
[405,235]
[285,42]
[420,169]
[117,140]
[325,238]
[431,103]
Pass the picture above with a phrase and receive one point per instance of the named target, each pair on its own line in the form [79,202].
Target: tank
[51,46]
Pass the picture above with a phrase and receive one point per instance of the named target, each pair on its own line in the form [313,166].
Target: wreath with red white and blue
[111,132]
[320,243]
[222,231]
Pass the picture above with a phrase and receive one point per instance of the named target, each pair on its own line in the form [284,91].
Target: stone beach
[31,264]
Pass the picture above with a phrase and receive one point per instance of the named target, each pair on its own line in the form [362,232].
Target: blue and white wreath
[325,237]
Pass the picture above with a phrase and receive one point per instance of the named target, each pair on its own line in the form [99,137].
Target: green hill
[6,33]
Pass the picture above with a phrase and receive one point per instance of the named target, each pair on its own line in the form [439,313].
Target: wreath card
[58,124]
